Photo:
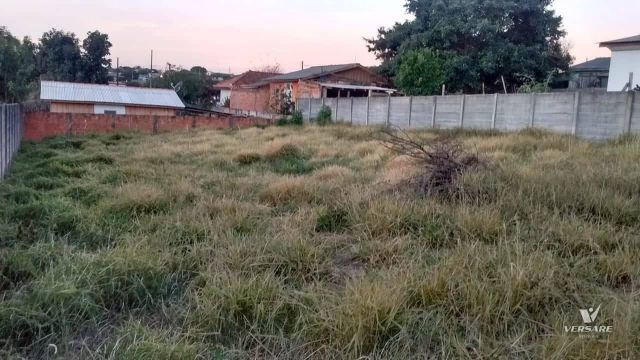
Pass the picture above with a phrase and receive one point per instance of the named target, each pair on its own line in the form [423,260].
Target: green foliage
[324,116]
[281,102]
[95,64]
[530,85]
[332,220]
[59,55]
[196,85]
[295,119]
[480,39]
[18,67]
[420,72]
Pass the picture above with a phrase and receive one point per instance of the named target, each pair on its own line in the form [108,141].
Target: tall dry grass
[303,243]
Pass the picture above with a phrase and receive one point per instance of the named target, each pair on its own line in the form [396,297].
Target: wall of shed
[71,108]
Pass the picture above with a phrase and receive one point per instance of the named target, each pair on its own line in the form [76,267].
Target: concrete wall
[622,63]
[11,129]
[591,115]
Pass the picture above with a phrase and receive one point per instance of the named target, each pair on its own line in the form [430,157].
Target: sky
[238,35]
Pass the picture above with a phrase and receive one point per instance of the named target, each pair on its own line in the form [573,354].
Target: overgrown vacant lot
[306,243]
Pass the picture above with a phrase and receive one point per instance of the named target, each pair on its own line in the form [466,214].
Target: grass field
[305,244]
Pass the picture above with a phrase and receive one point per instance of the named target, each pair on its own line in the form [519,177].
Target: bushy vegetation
[324,116]
[295,119]
[298,243]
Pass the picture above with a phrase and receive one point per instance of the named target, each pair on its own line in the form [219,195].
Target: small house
[329,81]
[226,87]
[625,63]
[80,98]
[592,74]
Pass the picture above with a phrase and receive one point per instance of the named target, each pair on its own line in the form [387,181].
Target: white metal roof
[105,94]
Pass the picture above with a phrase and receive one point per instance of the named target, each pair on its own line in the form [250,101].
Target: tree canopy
[481,40]
[195,85]
[18,67]
[420,72]
[95,62]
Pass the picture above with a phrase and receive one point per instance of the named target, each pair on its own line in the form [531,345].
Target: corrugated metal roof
[312,72]
[597,64]
[105,94]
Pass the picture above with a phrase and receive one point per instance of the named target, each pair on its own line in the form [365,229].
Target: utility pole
[151,71]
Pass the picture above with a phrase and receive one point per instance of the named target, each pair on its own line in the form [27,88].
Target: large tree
[59,54]
[482,40]
[95,62]
[18,70]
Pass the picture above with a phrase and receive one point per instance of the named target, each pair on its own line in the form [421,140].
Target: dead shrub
[441,161]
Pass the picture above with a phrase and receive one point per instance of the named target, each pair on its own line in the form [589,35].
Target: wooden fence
[590,115]
[11,129]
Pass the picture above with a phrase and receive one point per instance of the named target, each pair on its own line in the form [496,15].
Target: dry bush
[442,161]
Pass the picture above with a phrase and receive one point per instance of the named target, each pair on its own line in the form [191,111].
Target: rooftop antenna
[302,64]
[118,71]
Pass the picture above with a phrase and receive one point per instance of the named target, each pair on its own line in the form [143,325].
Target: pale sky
[244,34]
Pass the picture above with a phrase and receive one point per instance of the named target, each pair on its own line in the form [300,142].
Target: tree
[196,85]
[273,69]
[95,64]
[482,40]
[18,70]
[420,72]
[59,56]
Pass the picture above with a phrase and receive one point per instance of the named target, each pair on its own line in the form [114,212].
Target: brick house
[227,87]
[332,81]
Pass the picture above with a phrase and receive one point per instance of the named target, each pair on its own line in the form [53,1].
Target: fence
[40,125]
[590,115]
[11,128]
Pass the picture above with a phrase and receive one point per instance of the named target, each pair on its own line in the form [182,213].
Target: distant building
[625,60]
[226,87]
[79,98]
[348,80]
[591,74]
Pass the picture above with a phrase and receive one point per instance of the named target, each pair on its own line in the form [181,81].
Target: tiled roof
[248,77]
[105,94]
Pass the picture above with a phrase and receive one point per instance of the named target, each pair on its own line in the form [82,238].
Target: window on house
[110,112]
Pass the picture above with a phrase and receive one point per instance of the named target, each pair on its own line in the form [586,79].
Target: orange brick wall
[251,99]
[40,125]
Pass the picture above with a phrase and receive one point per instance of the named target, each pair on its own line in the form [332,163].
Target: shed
[81,98]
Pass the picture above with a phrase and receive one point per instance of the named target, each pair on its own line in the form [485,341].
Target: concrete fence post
[628,113]
[337,106]
[368,104]
[410,109]
[388,109]
[576,111]
[494,115]
[532,113]
[434,112]
[309,119]
[462,101]
[3,141]
[351,112]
